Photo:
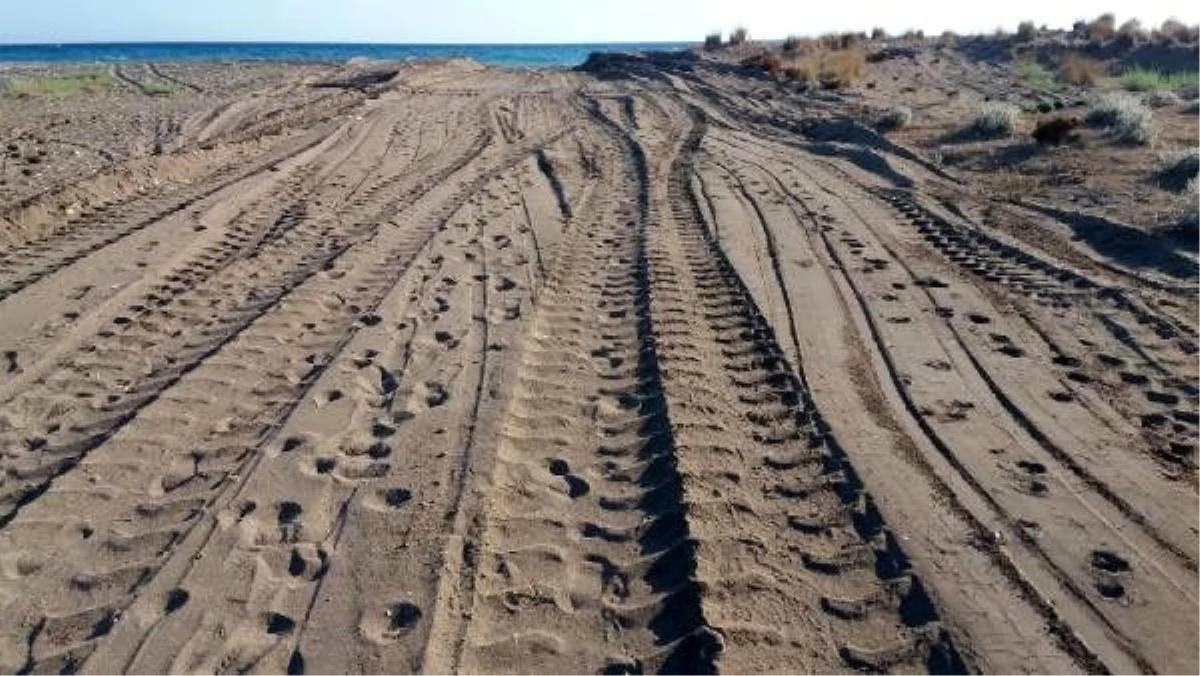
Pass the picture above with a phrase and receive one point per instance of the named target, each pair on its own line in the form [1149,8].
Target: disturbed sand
[626,371]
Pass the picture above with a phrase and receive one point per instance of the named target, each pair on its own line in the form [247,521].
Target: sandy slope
[489,371]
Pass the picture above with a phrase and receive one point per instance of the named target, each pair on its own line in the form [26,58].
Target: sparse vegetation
[1035,75]
[1176,170]
[57,86]
[792,44]
[739,36]
[995,120]
[878,34]
[1161,99]
[1185,222]
[1124,116]
[712,41]
[1145,80]
[1026,31]
[894,118]
[1081,71]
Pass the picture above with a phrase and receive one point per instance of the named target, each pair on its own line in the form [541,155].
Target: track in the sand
[531,372]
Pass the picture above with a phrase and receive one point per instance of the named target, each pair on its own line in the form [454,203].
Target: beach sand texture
[447,368]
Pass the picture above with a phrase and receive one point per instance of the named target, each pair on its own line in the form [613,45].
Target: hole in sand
[1110,589]
[176,598]
[397,497]
[289,512]
[1109,562]
[279,624]
[1031,467]
[402,617]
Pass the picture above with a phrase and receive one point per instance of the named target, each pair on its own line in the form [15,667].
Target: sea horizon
[548,54]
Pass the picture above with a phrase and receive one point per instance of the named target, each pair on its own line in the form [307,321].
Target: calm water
[500,55]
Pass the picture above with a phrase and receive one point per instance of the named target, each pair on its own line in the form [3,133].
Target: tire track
[1063,571]
[118,386]
[852,592]
[376,267]
[589,539]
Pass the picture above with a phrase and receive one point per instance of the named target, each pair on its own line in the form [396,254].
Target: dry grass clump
[995,120]
[839,68]
[1187,223]
[1161,99]
[1081,71]
[1014,183]
[894,118]
[1124,116]
[739,36]
[1176,170]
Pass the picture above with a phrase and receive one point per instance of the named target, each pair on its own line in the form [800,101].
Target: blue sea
[524,56]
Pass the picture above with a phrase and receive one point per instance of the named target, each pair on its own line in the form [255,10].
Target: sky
[531,21]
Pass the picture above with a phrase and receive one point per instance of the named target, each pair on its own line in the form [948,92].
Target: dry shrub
[1124,117]
[878,34]
[1026,31]
[948,39]
[1102,28]
[712,41]
[1179,169]
[1174,30]
[914,36]
[995,120]
[771,63]
[831,69]
[1081,71]
[842,68]
[739,36]
[1057,130]
[894,118]
[791,45]
[1131,34]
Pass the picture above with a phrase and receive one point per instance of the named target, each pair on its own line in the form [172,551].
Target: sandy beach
[654,365]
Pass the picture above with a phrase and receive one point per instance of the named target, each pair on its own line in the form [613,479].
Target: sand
[447,368]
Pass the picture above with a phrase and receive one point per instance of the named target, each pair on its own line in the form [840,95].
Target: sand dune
[628,371]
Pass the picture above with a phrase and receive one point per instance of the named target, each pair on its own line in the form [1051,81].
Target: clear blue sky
[24,21]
